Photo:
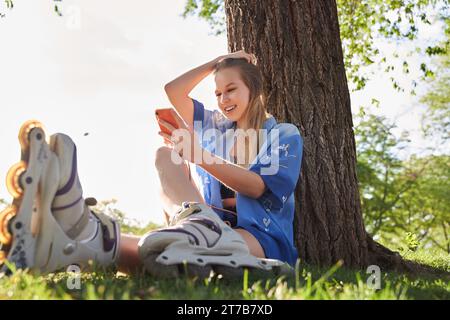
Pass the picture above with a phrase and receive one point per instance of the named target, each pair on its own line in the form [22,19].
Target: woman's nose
[223,98]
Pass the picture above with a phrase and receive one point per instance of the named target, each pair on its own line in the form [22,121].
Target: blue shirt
[270,218]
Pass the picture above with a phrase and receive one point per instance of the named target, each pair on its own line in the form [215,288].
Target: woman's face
[232,94]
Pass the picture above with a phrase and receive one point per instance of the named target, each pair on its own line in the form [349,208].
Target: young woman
[257,203]
[244,200]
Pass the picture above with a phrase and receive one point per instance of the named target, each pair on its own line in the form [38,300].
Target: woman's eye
[229,90]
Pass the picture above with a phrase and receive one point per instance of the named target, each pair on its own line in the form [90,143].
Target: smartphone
[166,115]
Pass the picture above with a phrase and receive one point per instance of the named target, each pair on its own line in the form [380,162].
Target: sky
[97,74]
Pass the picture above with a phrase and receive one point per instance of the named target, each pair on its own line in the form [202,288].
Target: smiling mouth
[230,108]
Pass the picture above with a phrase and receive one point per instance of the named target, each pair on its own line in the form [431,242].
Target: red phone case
[166,115]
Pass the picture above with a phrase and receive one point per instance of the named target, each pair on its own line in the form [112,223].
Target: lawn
[309,283]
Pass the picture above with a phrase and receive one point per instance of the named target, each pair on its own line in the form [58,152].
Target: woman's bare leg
[128,260]
[176,183]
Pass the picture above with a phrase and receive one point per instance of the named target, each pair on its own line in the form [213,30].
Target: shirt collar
[270,123]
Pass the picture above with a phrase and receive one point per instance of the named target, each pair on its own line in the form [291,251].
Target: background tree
[363,21]
[404,202]
[382,180]
[436,118]
[423,211]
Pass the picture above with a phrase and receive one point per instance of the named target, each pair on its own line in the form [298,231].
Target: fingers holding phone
[185,139]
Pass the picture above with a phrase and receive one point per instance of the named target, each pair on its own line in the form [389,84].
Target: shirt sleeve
[209,126]
[201,116]
[203,120]
[279,166]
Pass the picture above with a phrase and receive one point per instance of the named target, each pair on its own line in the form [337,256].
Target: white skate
[197,242]
[49,226]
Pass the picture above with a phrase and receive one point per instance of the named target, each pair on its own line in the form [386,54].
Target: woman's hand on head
[241,54]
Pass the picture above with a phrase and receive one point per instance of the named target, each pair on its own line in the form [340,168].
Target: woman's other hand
[250,57]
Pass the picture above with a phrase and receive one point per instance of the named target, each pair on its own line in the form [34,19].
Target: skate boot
[49,225]
[197,242]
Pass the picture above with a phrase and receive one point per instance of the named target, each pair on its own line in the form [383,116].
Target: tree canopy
[362,21]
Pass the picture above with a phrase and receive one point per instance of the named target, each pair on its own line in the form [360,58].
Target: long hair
[255,113]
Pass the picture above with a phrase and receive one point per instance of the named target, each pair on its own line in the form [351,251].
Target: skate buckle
[187,209]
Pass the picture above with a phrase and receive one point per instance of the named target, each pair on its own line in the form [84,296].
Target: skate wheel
[25,132]
[5,217]
[2,257]
[284,270]
[229,272]
[200,272]
[13,179]
[276,272]
[159,270]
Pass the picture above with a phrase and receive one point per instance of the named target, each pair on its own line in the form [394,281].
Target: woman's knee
[163,157]
[168,165]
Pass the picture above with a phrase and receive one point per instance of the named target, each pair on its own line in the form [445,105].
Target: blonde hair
[256,112]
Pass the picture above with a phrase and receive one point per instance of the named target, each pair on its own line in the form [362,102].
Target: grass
[309,283]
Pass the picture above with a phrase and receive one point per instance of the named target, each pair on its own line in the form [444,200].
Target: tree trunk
[298,44]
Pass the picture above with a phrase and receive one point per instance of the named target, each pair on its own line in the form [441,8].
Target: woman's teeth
[230,108]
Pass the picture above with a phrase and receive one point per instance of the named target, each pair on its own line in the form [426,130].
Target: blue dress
[270,218]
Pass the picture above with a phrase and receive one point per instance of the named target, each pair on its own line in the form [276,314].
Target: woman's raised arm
[178,89]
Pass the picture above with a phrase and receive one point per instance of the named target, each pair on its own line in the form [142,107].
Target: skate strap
[79,226]
[107,223]
[109,231]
